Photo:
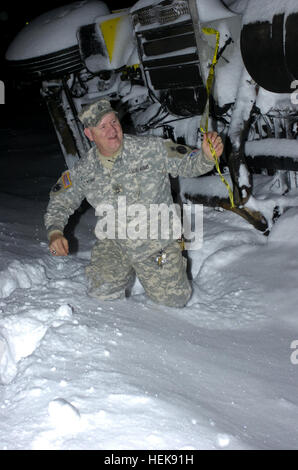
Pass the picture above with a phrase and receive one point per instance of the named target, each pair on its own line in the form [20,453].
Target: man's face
[107,135]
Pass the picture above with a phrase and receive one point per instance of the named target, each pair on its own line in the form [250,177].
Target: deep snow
[83,374]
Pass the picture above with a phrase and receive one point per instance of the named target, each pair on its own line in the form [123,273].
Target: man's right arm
[65,197]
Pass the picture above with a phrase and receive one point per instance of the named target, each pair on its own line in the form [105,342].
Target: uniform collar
[108,162]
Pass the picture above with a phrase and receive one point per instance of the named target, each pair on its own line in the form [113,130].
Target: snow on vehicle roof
[211,10]
[238,6]
[54,30]
[265,10]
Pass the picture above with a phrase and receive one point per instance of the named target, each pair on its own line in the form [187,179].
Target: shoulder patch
[66,180]
[181,149]
[176,150]
[63,183]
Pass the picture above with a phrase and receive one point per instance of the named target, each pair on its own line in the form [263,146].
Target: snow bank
[20,275]
[64,415]
[83,374]
[284,231]
[209,186]
[21,334]
[273,147]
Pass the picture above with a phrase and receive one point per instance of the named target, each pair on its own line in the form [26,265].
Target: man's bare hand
[216,141]
[58,245]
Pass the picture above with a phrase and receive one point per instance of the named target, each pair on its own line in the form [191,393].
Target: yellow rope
[205,116]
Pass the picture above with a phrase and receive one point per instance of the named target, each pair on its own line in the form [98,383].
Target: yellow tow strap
[205,116]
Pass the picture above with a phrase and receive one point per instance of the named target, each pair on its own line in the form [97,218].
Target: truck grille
[165,12]
[171,65]
[169,56]
[54,65]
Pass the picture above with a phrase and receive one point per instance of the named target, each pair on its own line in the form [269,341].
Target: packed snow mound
[22,333]
[284,231]
[8,369]
[64,415]
[20,275]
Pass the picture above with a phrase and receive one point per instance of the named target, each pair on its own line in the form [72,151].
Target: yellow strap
[231,196]
[210,78]
[181,242]
[205,116]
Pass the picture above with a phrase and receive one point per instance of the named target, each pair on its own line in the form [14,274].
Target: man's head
[102,126]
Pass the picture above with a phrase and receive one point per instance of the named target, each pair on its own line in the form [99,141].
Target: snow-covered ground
[83,374]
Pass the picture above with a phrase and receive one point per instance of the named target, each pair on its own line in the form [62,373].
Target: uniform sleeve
[185,161]
[65,197]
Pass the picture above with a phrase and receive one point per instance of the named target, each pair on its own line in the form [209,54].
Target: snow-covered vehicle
[167,64]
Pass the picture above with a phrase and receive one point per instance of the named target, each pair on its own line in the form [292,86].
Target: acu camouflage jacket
[140,173]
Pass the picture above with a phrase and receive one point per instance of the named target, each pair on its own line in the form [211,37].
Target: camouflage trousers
[111,272]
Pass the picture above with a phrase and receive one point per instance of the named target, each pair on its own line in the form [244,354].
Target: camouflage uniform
[141,174]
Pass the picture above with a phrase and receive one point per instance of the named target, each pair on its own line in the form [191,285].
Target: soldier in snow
[125,171]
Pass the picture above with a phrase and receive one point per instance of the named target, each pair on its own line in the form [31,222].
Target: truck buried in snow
[172,68]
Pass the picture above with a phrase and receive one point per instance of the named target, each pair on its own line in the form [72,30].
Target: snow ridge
[78,373]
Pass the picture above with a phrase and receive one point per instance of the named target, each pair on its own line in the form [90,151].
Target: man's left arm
[187,162]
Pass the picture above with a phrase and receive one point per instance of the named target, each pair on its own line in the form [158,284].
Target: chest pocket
[143,176]
[151,182]
[140,169]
